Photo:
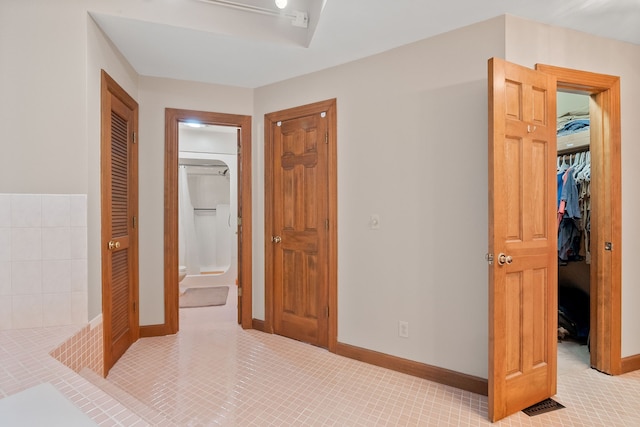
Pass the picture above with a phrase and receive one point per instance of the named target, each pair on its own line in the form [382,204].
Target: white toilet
[182,272]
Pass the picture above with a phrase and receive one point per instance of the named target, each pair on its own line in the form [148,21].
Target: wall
[49,79]
[412,147]
[43,115]
[156,94]
[529,43]
[101,55]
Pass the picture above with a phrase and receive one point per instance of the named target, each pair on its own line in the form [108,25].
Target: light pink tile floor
[214,373]
[25,362]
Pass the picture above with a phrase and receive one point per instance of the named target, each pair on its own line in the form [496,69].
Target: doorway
[606,207]
[241,126]
[208,212]
[574,228]
[523,230]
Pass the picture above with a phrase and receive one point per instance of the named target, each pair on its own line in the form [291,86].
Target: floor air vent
[546,405]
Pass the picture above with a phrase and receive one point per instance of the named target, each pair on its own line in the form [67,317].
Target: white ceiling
[199,41]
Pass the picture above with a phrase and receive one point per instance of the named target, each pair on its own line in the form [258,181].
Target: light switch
[374,221]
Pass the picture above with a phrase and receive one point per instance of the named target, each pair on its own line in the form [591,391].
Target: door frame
[328,106]
[606,207]
[172,119]
[108,88]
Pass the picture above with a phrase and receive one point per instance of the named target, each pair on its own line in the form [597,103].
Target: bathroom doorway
[240,169]
[207,213]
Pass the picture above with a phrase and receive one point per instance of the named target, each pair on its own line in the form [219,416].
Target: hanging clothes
[573,208]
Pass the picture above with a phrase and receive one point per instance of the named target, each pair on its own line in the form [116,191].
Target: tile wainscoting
[43,260]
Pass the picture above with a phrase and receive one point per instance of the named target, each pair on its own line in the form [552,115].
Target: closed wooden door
[119,221]
[522,238]
[299,215]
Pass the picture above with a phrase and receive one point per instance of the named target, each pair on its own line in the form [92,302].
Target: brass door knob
[113,244]
[504,259]
[276,239]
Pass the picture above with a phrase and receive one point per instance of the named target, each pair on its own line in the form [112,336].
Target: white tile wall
[43,260]
[5,278]
[5,210]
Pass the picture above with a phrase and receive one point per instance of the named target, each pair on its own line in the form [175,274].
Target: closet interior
[574,223]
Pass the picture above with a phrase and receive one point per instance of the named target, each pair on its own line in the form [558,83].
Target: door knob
[113,244]
[276,239]
[504,259]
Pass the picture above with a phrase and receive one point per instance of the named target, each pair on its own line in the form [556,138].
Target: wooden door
[119,221]
[522,238]
[298,250]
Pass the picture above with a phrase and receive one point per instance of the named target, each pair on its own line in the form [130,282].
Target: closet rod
[204,165]
[574,150]
[205,209]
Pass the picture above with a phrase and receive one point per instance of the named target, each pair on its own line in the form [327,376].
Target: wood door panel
[535,191]
[522,291]
[526,322]
[300,276]
[513,188]
[300,209]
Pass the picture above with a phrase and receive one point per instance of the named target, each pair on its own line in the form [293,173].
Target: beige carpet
[203,296]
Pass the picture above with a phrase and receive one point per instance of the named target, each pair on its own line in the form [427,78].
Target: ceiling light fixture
[298,19]
[281,4]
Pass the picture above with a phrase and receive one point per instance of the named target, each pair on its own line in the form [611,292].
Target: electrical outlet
[403,329]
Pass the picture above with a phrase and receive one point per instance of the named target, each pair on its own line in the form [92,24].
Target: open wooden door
[522,238]
[119,211]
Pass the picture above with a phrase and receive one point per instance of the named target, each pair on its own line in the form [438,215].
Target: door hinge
[489,258]
[133,137]
[239,291]
[326,137]
[239,221]
[134,222]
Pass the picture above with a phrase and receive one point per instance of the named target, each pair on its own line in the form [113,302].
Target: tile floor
[25,363]
[215,374]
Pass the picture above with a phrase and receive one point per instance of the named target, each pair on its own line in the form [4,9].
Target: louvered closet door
[119,235]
